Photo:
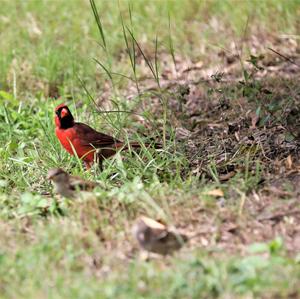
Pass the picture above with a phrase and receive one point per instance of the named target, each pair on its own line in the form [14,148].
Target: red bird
[84,140]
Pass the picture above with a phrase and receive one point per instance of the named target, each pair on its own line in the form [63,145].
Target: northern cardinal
[67,185]
[155,237]
[84,140]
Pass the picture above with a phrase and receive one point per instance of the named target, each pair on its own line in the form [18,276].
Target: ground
[216,84]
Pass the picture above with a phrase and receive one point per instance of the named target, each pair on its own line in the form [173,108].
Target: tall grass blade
[99,24]
[156,62]
[148,62]
[127,45]
[87,91]
[171,45]
[130,51]
[105,69]
[132,42]
[106,117]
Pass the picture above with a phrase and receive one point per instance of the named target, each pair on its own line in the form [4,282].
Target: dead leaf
[215,192]
[227,176]
[254,120]
[289,162]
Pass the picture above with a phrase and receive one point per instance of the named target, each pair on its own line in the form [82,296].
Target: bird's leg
[100,163]
[99,159]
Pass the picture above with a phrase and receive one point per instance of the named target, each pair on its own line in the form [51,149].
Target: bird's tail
[136,145]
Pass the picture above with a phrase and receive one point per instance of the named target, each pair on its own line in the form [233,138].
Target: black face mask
[67,121]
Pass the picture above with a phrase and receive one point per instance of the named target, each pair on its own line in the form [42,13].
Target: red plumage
[87,142]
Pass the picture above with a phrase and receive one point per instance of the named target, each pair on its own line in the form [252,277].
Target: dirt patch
[238,122]
[262,219]
[239,119]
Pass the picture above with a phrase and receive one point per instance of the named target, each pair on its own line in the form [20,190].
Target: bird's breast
[71,142]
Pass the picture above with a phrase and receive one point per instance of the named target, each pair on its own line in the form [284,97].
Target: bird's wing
[157,230]
[174,240]
[79,183]
[89,136]
[161,235]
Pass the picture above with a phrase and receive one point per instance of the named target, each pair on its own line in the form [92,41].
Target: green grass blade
[99,24]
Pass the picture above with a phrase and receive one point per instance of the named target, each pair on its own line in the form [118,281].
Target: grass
[47,45]
[55,52]
[197,275]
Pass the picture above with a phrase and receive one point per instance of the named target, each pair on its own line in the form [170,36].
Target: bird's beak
[64,112]
[49,176]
